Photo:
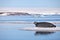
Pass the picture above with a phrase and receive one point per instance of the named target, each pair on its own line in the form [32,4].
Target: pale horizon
[32,10]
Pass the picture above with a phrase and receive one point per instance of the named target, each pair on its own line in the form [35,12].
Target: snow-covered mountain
[29,11]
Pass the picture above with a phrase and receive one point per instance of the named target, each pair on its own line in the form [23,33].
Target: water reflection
[43,33]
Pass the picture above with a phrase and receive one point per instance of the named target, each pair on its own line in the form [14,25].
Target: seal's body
[44,24]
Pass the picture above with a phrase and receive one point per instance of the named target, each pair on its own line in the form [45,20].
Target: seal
[44,24]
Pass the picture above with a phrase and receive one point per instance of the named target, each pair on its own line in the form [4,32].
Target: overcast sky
[30,3]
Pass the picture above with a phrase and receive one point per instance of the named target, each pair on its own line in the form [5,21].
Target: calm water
[11,32]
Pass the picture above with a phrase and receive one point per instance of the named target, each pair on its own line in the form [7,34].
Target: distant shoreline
[32,10]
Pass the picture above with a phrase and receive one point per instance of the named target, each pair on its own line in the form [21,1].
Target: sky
[30,3]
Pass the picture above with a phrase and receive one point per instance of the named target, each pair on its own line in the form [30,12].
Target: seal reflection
[43,33]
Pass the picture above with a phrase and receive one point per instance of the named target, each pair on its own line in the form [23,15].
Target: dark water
[11,32]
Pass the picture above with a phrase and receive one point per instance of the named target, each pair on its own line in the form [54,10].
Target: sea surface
[12,32]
